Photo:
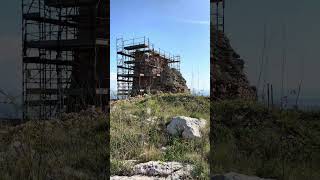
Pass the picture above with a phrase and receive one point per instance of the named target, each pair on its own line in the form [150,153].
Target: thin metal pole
[268,93]
[283,65]
[271,95]
[223,9]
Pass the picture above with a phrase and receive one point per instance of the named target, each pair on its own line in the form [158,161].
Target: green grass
[246,138]
[71,148]
[250,139]
[134,137]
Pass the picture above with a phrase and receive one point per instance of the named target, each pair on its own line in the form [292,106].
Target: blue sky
[177,26]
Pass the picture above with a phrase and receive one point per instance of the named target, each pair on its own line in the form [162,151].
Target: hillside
[73,147]
[138,132]
[246,138]
[250,139]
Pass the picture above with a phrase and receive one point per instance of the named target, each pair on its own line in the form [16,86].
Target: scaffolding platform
[37,103]
[38,60]
[69,3]
[124,54]
[37,17]
[127,75]
[124,80]
[65,45]
[127,68]
[42,91]
[134,47]
[53,91]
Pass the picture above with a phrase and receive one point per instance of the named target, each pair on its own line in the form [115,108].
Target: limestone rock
[148,111]
[136,177]
[188,127]
[152,119]
[183,173]
[157,168]
[162,170]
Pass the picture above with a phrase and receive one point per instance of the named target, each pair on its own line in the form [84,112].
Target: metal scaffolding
[65,46]
[217,7]
[139,66]
[217,27]
[217,20]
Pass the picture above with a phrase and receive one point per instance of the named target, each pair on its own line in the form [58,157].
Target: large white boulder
[236,176]
[188,127]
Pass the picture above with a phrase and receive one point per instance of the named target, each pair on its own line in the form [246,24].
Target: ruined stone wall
[228,79]
[153,74]
[173,81]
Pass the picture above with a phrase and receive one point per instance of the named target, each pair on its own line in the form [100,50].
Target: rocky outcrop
[153,74]
[236,176]
[173,81]
[228,78]
[158,170]
[187,127]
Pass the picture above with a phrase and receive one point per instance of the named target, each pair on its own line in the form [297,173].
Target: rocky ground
[159,170]
[164,136]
